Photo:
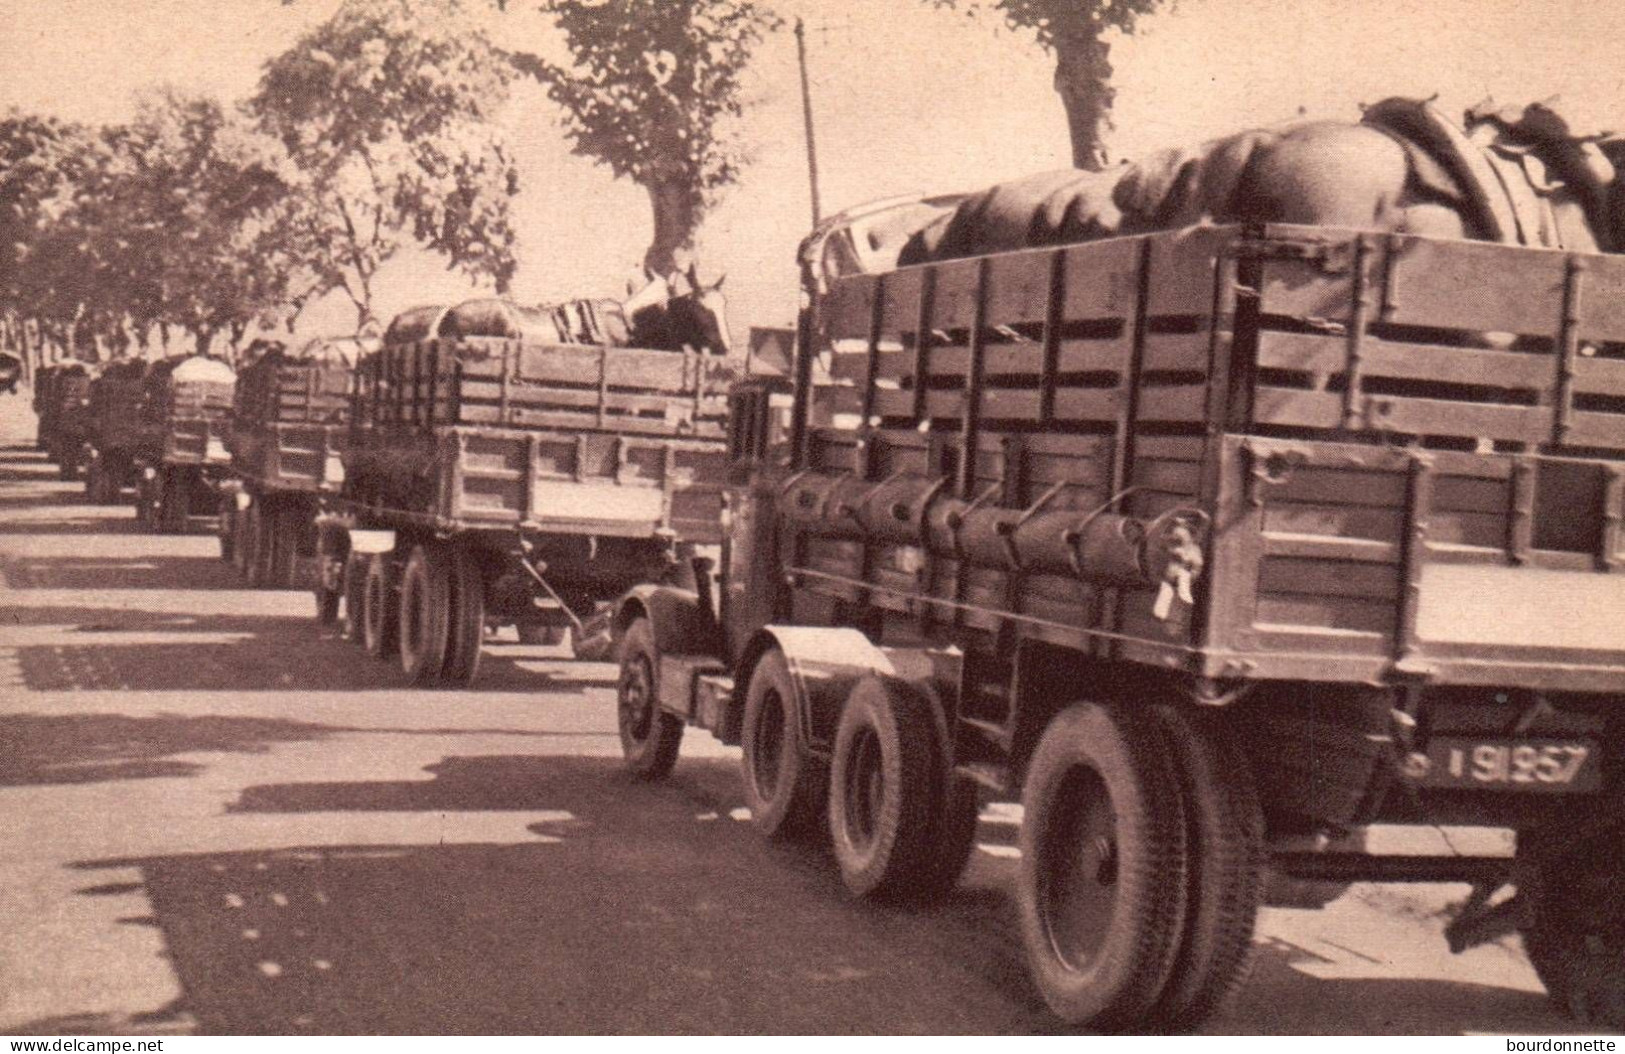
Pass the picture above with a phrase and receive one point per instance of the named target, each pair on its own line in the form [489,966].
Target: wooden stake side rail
[1412,451]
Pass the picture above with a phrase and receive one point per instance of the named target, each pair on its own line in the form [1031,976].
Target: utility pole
[807,119]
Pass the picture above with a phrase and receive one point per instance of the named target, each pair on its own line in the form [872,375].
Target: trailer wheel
[1102,881]
[1576,941]
[883,789]
[425,613]
[379,610]
[355,592]
[650,737]
[467,621]
[785,787]
[1224,832]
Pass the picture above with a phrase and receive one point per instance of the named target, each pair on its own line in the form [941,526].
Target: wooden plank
[954,304]
[1018,288]
[1343,613]
[1334,487]
[1176,403]
[1429,362]
[477,392]
[1342,578]
[1088,404]
[1476,286]
[525,417]
[1183,270]
[1177,351]
[1324,547]
[1597,429]
[1593,376]
[1170,448]
[1101,279]
[1386,413]
[1481,529]
[900,312]
[1174,477]
[1342,521]
[1469,494]
[1602,300]
[1108,355]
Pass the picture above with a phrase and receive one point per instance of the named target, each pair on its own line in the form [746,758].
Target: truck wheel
[1576,941]
[379,611]
[954,840]
[228,535]
[467,622]
[785,787]
[145,513]
[1224,835]
[883,789]
[1103,863]
[425,613]
[254,542]
[355,592]
[649,736]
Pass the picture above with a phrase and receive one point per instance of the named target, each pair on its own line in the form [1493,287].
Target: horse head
[663,318]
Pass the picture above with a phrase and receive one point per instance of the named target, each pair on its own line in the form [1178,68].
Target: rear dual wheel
[1141,867]
[786,788]
[901,824]
[442,615]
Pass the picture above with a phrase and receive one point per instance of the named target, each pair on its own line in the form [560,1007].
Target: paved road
[216,818]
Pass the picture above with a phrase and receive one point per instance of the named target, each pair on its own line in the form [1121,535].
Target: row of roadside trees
[201,221]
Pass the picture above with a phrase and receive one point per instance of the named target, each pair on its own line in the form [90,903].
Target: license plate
[1550,766]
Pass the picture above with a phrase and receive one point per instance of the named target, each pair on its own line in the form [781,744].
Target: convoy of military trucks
[1220,549]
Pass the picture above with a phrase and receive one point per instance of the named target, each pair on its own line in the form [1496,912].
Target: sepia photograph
[634,518]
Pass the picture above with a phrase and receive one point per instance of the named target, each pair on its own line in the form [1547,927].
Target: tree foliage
[1076,33]
[385,112]
[652,90]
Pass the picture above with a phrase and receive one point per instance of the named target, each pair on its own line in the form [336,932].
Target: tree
[384,111]
[1076,33]
[651,90]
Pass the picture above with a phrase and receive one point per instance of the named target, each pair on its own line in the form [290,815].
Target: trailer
[289,430]
[1226,551]
[180,454]
[493,478]
[114,431]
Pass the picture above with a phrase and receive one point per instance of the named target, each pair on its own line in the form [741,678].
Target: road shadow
[648,911]
[91,748]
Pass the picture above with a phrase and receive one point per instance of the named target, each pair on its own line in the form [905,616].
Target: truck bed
[1410,452]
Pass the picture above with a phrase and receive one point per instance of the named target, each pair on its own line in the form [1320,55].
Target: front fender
[682,625]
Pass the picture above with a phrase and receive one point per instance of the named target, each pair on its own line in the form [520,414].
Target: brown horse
[1520,176]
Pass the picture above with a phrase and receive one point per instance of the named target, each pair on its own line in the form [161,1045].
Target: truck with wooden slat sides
[493,477]
[62,401]
[180,453]
[290,424]
[1231,551]
[114,431]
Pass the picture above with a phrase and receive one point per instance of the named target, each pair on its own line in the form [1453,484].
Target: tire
[954,841]
[467,623]
[256,544]
[425,613]
[1101,892]
[67,466]
[650,738]
[785,787]
[327,606]
[1576,940]
[379,609]
[146,514]
[1224,835]
[355,589]
[884,789]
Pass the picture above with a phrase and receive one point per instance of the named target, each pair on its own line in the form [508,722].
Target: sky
[907,99]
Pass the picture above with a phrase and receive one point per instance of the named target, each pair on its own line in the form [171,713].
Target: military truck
[113,430]
[495,476]
[62,401]
[289,427]
[180,453]
[1226,550]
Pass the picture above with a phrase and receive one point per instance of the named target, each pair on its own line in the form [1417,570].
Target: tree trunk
[1083,73]
[675,222]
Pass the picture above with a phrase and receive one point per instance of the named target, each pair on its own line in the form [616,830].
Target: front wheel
[650,737]
[1103,865]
